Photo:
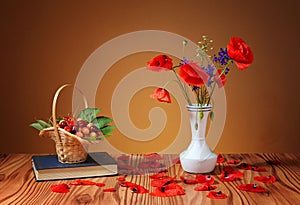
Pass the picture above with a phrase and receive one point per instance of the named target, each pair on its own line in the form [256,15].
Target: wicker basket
[69,148]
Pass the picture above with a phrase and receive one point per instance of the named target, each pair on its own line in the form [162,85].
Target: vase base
[196,166]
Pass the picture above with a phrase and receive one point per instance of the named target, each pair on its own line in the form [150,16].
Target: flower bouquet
[200,77]
[73,135]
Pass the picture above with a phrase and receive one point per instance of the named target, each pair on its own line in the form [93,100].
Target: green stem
[184,91]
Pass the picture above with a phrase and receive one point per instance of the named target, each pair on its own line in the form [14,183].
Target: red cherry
[62,124]
[67,128]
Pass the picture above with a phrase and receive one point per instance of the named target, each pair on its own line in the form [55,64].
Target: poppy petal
[60,188]
[188,181]
[109,190]
[205,179]
[205,188]
[220,159]
[216,195]
[251,188]
[265,179]
[82,182]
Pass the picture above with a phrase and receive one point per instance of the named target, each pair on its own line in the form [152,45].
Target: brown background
[45,43]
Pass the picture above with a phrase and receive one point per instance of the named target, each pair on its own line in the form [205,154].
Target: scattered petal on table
[233,161]
[162,182]
[153,156]
[205,179]
[109,190]
[251,188]
[229,174]
[265,179]
[205,188]
[172,189]
[216,195]
[246,166]
[138,189]
[60,188]
[220,158]
[99,184]
[188,181]
[82,182]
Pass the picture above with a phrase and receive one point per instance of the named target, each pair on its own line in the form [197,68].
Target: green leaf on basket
[102,121]
[88,114]
[44,124]
[107,129]
[37,126]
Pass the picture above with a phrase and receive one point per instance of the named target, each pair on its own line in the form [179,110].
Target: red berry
[67,128]
[62,124]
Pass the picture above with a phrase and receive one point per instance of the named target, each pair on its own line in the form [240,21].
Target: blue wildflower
[222,57]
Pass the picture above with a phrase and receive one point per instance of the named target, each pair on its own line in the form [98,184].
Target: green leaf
[44,124]
[196,126]
[88,114]
[102,121]
[107,129]
[37,126]
[211,115]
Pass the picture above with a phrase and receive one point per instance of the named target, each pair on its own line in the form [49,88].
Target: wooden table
[18,186]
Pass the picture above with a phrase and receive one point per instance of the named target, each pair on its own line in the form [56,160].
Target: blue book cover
[47,167]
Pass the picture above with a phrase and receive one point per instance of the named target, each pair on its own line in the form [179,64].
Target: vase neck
[198,120]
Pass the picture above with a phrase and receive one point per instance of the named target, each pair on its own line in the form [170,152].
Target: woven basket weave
[70,148]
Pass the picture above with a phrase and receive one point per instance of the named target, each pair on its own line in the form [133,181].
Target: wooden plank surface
[18,186]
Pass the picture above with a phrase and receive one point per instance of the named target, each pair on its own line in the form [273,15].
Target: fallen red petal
[205,179]
[246,166]
[168,190]
[188,181]
[100,184]
[138,189]
[162,182]
[205,188]
[251,188]
[158,175]
[233,161]
[120,179]
[273,162]
[229,174]
[60,188]
[220,159]
[265,179]
[82,182]
[109,190]
[216,195]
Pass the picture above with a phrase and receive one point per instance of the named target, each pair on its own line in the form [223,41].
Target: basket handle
[58,138]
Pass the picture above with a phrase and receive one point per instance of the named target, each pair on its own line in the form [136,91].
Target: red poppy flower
[162,95]
[192,74]
[220,159]
[188,181]
[203,179]
[229,174]
[240,52]
[216,195]
[82,182]
[168,190]
[160,63]
[162,182]
[251,188]
[205,188]
[246,166]
[233,161]
[220,80]
[265,179]
[109,190]
[60,188]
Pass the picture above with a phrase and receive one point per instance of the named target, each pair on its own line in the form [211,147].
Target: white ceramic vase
[198,157]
